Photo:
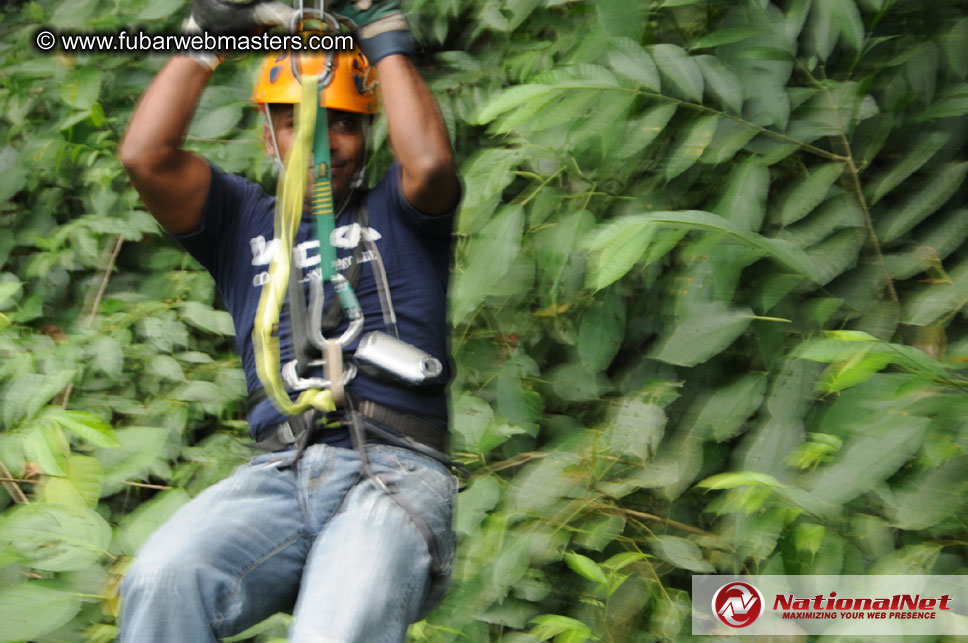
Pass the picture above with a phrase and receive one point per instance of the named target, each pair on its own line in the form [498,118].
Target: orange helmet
[351,89]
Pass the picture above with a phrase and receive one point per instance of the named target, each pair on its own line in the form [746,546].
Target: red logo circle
[737,604]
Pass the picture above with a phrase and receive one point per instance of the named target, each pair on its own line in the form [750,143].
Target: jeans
[338,551]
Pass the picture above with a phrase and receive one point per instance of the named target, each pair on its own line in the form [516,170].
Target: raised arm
[417,131]
[418,136]
[172,182]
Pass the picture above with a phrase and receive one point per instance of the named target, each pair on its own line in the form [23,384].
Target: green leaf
[859,368]
[13,174]
[849,22]
[31,609]
[54,538]
[725,410]
[810,192]
[585,567]
[486,175]
[512,563]
[601,331]
[9,290]
[837,213]
[207,318]
[701,332]
[909,560]
[108,356]
[83,483]
[624,559]
[85,425]
[575,382]
[620,18]
[931,497]
[640,132]
[517,401]
[473,423]
[632,61]
[27,393]
[910,162]
[680,72]
[730,138]
[619,245]
[44,443]
[781,251]
[160,9]
[135,528]
[836,254]
[954,103]
[142,448]
[868,459]
[921,70]
[555,244]
[681,553]
[635,428]
[489,254]
[166,367]
[955,45]
[933,302]
[735,479]
[692,143]
[82,88]
[946,233]
[597,533]
[744,202]
[218,122]
[509,99]
[920,205]
[727,36]
[822,28]
[475,502]
[721,83]
[543,483]
[551,625]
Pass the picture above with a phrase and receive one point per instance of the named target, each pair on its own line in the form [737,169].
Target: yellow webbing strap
[289,209]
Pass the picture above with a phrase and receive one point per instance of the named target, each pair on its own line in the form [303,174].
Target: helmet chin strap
[277,163]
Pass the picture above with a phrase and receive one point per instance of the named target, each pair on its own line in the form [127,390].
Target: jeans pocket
[428,472]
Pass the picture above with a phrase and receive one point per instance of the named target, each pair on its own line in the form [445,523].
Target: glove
[237,16]
[232,16]
[381,28]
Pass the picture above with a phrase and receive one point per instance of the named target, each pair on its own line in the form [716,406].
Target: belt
[425,432]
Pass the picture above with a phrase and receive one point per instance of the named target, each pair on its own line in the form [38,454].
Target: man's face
[346,144]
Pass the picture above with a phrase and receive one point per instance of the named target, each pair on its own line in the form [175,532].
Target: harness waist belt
[425,432]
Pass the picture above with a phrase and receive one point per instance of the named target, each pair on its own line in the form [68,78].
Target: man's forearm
[172,182]
[418,136]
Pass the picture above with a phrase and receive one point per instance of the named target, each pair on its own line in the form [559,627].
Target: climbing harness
[312,348]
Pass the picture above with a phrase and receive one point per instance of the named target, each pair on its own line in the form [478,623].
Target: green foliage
[744,333]
[708,307]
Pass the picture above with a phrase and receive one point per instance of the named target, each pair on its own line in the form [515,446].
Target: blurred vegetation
[708,307]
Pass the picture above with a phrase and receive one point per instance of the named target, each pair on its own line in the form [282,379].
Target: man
[356,541]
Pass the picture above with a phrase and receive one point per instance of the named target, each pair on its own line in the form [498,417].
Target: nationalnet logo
[737,604]
[848,605]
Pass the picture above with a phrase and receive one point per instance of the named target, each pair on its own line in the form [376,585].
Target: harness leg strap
[359,438]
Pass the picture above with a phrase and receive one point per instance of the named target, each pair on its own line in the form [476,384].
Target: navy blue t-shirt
[234,242]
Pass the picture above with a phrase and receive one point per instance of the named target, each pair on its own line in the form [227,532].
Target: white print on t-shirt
[306,254]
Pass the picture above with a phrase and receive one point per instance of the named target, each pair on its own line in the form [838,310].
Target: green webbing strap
[323,213]
[324,217]
[289,208]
